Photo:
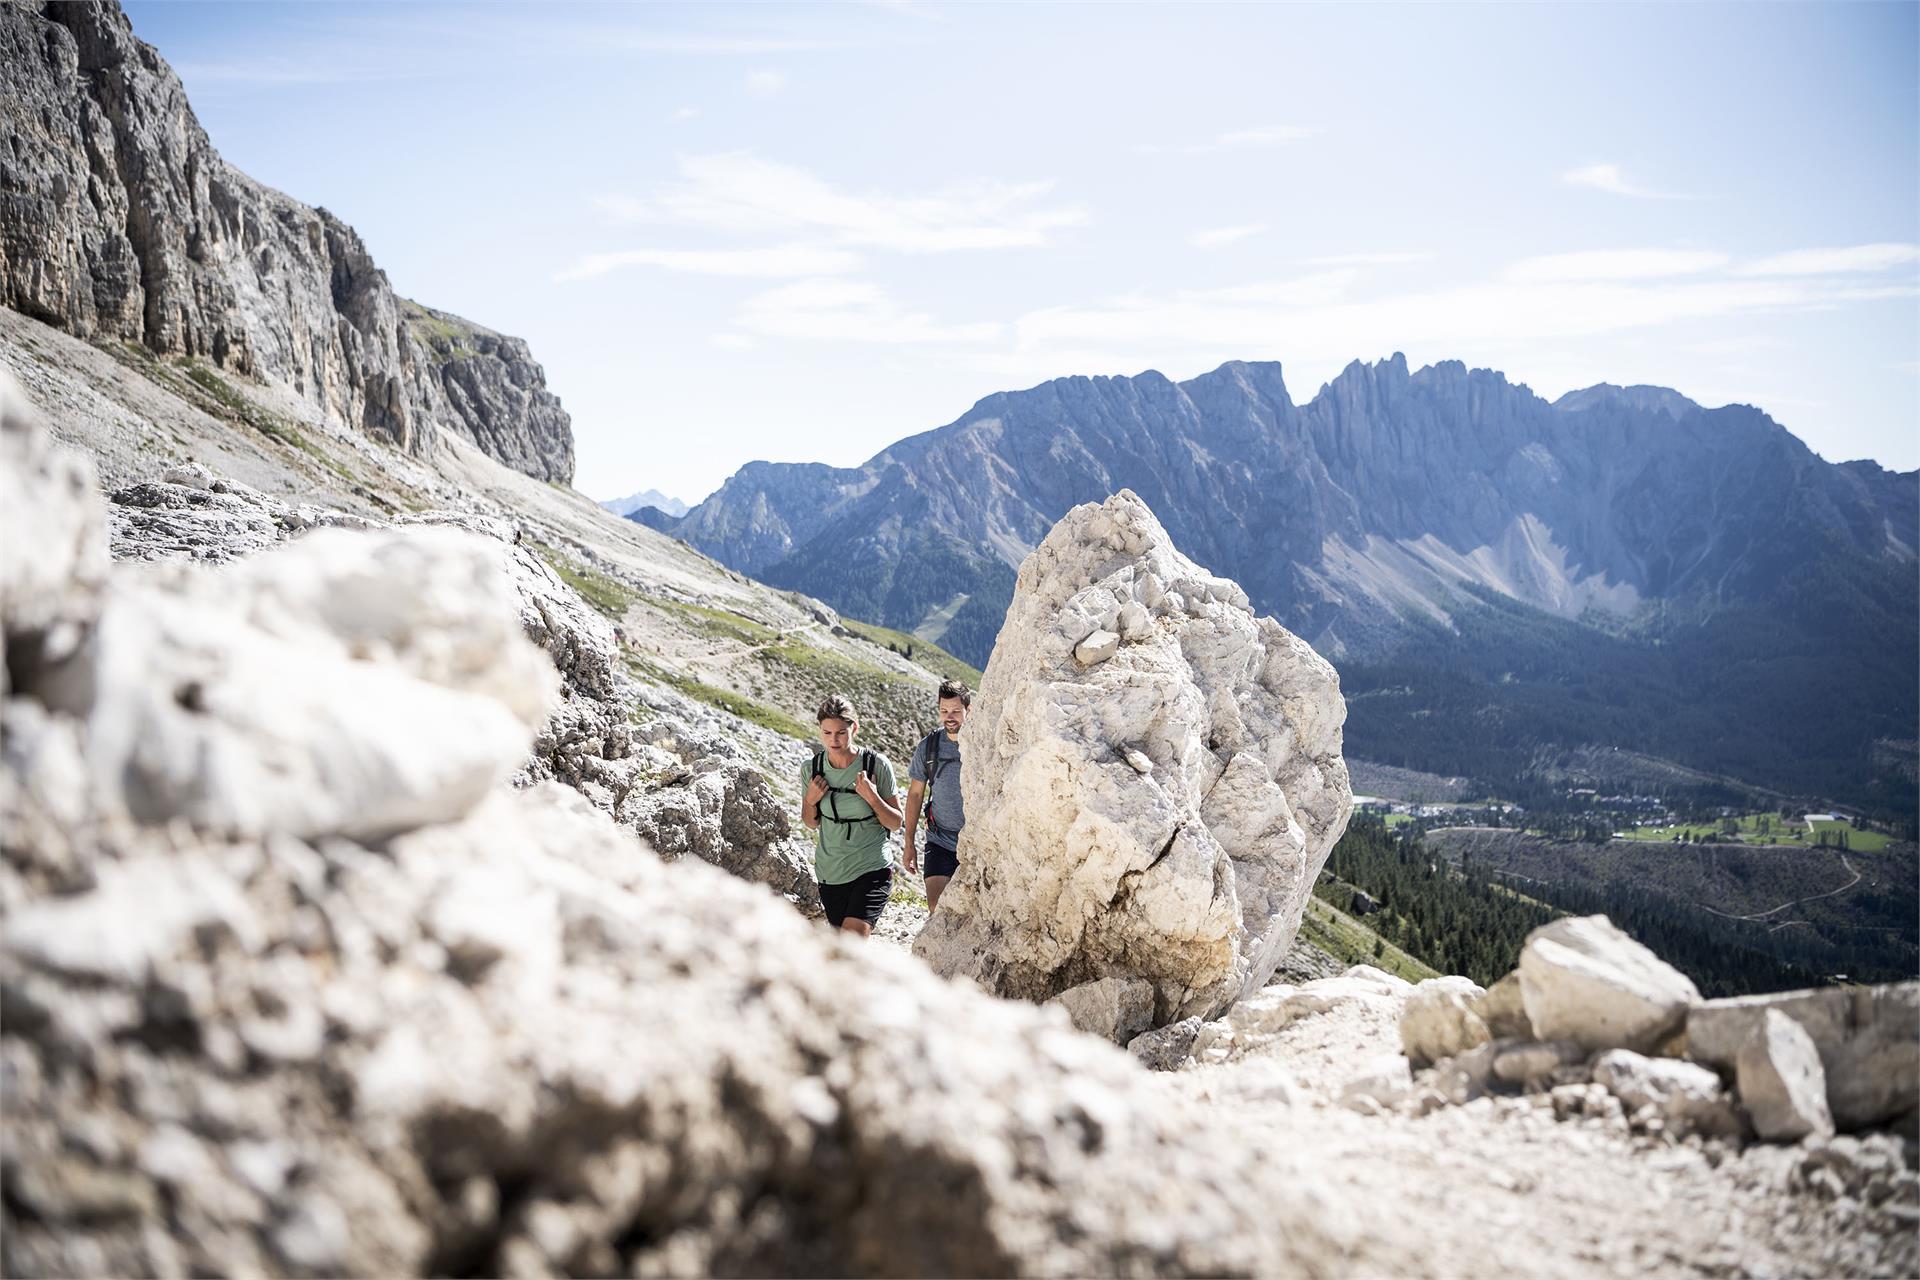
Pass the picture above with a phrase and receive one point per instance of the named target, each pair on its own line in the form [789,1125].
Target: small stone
[1684,1097]
[1465,1077]
[1116,1009]
[191,475]
[1096,648]
[1868,1038]
[1438,1020]
[1583,979]
[1504,1010]
[1166,1048]
[1384,1081]
[1782,1084]
[1526,1063]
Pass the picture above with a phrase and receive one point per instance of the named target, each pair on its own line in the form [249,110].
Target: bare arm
[810,804]
[886,810]
[916,796]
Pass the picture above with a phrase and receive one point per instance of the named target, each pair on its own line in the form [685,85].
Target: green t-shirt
[844,851]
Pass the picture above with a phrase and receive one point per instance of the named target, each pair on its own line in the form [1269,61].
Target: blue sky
[800,232]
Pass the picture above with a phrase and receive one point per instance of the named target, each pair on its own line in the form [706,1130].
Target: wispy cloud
[1313,320]
[784,262]
[1214,237]
[906,9]
[1612,180]
[1821,262]
[1266,136]
[711,45]
[764,84]
[1617,264]
[685,113]
[738,192]
[1368,259]
[1317,290]
[1272,135]
[851,311]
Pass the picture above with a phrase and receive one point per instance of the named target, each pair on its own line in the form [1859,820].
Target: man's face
[837,735]
[953,714]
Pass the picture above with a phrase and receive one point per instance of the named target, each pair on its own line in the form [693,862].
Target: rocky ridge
[124,225]
[1387,499]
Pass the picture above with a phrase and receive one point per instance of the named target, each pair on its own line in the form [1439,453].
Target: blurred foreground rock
[251,1029]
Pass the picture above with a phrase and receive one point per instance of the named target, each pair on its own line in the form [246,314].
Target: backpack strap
[829,807]
[930,750]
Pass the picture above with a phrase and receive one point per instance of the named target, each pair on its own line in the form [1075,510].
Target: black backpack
[829,809]
[930,749]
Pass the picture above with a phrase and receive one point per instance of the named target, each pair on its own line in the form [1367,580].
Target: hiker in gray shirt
[933,789]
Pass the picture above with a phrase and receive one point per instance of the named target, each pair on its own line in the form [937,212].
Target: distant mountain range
[645,498]
[1620,539]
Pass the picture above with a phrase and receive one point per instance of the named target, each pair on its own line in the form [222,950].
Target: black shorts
[863,897]
[941,862]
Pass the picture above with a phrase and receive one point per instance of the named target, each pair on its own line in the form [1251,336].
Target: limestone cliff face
[120,222]
[494,392]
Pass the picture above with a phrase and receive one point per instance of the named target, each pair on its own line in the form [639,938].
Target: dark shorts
[941,862]
[863,897]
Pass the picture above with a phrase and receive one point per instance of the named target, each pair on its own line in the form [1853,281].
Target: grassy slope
[925,652]
[768,670]
[1351,942]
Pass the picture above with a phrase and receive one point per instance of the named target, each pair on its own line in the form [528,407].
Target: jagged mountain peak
[1642,397]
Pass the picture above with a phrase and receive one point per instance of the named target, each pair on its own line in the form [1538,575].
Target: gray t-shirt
[945,812]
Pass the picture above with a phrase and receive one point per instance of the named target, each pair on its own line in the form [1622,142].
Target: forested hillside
[1459,906]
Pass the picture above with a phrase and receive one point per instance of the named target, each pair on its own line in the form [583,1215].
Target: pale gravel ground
[1502,1187]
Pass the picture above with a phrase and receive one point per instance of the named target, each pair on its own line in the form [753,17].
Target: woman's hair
[835,707]
[956,689]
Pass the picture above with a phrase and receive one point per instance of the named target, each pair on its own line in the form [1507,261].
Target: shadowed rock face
[1155,781]
[123,224]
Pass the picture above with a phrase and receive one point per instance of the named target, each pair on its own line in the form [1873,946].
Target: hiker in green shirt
[848,801]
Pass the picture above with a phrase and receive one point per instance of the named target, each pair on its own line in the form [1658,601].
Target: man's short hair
[835,707]
[956,689]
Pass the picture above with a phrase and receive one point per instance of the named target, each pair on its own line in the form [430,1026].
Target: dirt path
[1812,897]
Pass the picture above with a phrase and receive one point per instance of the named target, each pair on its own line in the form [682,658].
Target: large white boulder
[1868,1039]
[1583,979]
[1076,865]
